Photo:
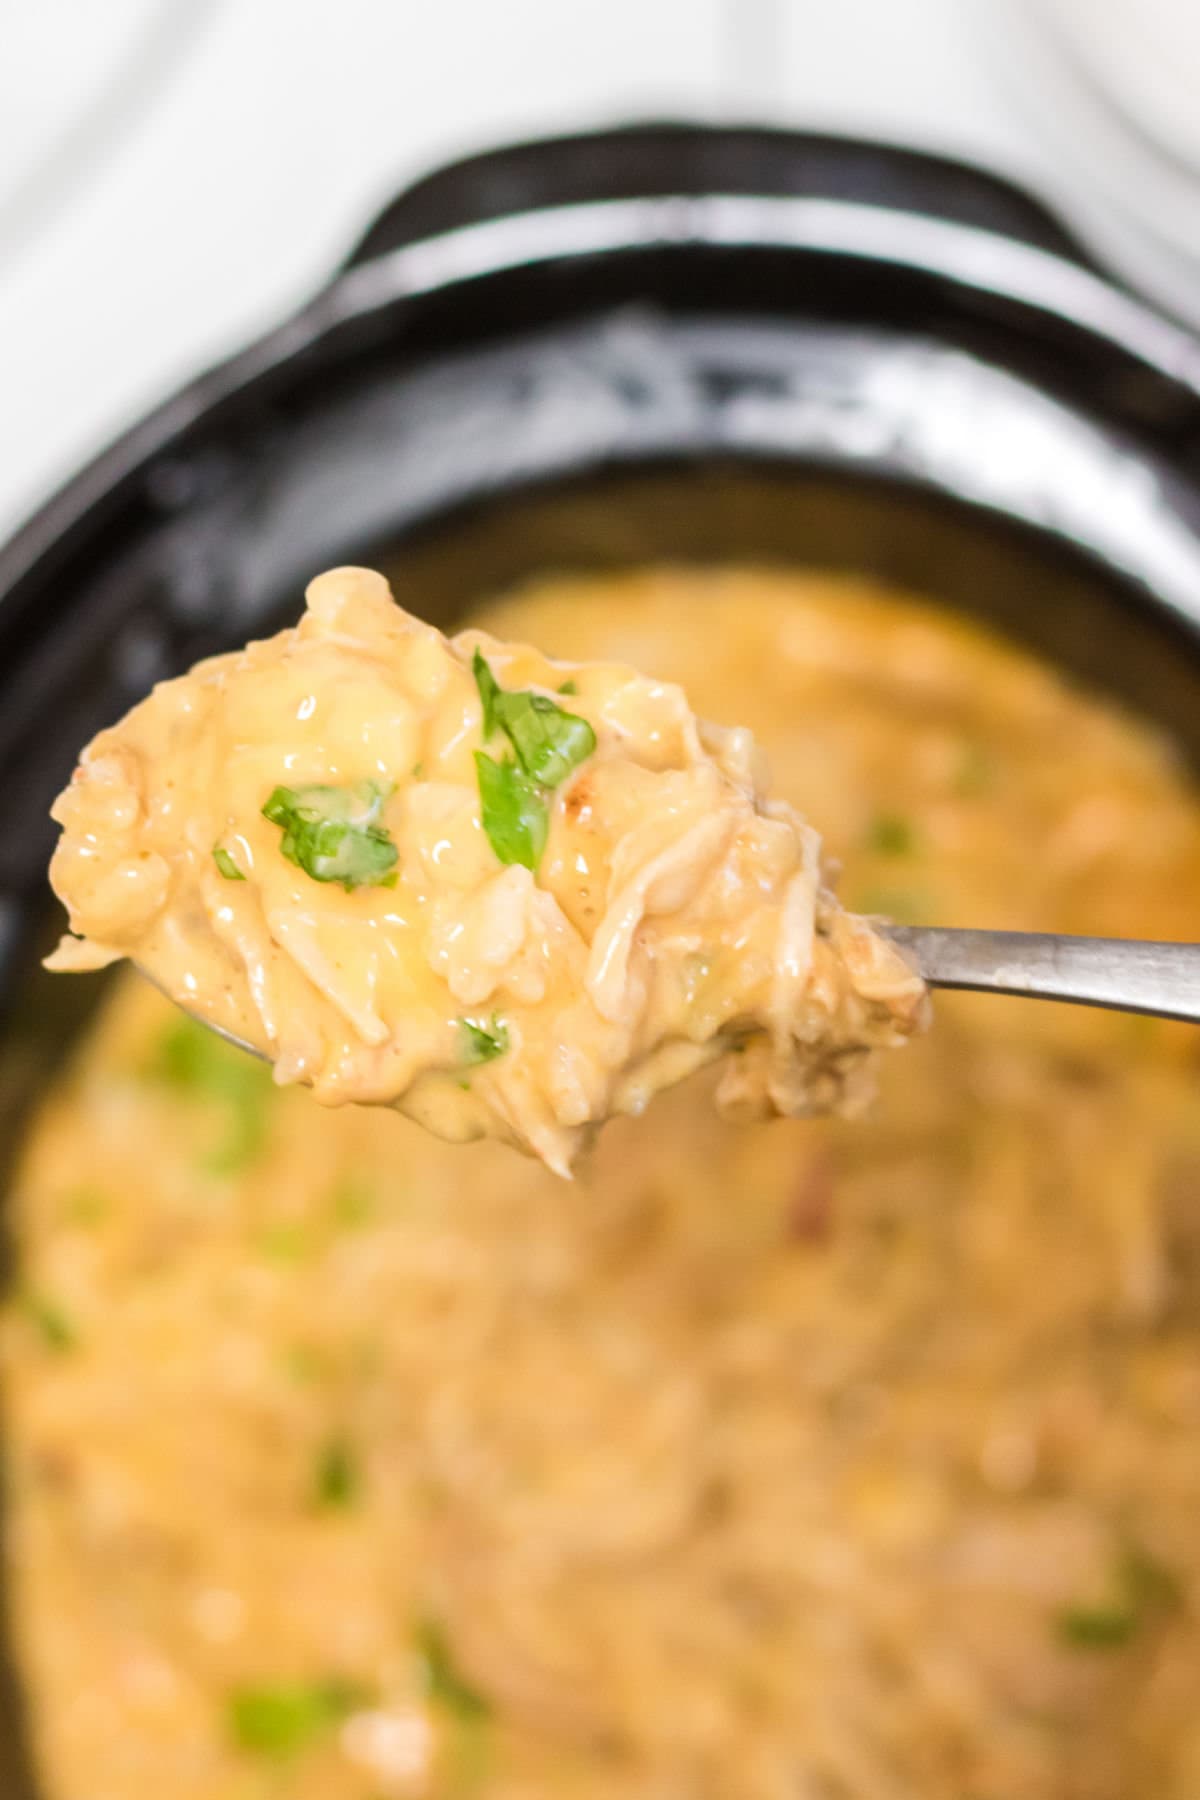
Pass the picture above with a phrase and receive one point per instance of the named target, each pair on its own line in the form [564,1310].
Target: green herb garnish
[515,815]
[1142,1590]
[549,741]
[334,833]
[1097,1627]
[569,687]
[445,1684]
[891,835]
[337,1480]
[479,1043]
[195,1061]
[52,1323]
[489,692]
[226,864]
[283,1719]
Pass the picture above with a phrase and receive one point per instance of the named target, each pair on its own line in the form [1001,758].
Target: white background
[174,174]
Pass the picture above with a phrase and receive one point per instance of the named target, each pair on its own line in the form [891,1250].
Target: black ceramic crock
[665,342]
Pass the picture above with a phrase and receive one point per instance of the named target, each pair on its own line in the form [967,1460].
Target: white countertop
[175,174]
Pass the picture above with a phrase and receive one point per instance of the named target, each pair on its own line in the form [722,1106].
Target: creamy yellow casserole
[801,1461]
[507,895]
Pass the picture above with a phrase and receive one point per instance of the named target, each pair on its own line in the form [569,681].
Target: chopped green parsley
[478,1043]
[282,1719]
[337,1479]
[444,1683]
[196,1062]
[1142,1590]
[515,815]
[890,834]
[334,834]
[548,743]
[226,864]
[52,1323]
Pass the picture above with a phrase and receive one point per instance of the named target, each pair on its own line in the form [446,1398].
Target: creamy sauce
[820,1459]
[510,896]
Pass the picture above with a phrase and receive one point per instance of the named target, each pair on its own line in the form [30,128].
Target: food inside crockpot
[810,1458]
[510,896]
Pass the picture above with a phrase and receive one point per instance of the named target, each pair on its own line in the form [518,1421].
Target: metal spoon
[1124,974]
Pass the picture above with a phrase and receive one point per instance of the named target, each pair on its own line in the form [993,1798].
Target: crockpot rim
[1056,286]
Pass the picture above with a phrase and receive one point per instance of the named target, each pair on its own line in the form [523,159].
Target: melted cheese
[675,913]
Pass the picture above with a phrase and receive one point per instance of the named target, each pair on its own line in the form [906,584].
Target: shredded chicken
[509,896]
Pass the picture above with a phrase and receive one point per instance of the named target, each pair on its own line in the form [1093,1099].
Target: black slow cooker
[664,342]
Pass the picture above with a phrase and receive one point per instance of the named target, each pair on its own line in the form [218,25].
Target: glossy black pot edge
[800,204]
[656,158]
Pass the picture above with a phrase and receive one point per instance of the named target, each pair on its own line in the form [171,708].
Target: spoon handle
[1124,973]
